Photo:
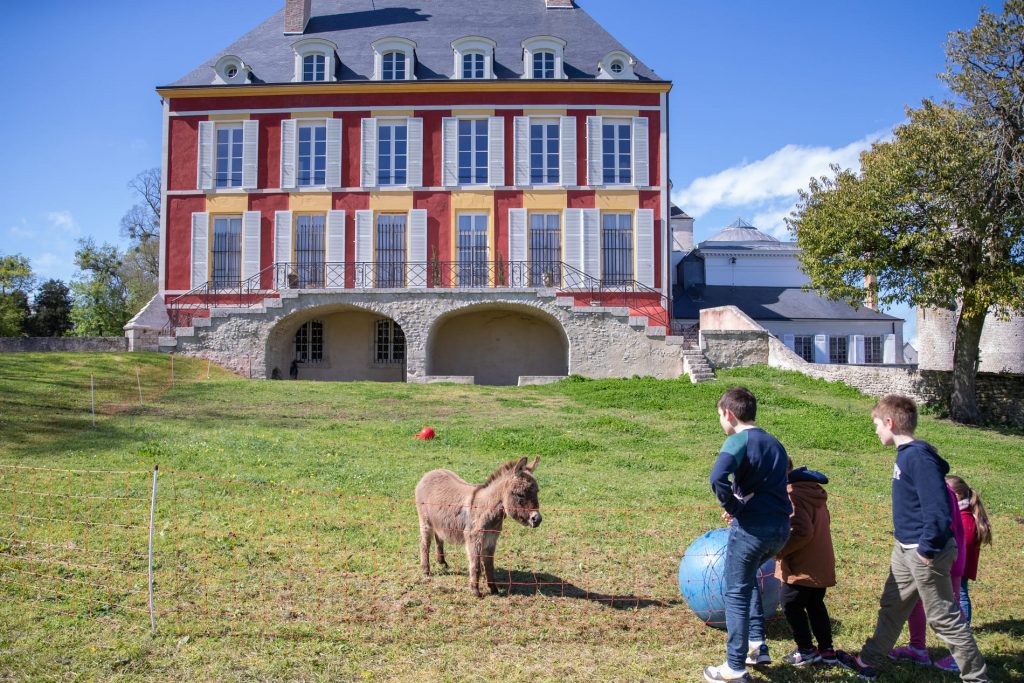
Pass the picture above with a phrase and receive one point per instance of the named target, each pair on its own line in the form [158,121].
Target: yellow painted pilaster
[480,201]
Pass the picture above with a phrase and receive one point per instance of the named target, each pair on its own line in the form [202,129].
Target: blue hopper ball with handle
[702,579]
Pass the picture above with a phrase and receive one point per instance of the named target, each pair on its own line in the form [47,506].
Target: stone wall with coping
[62,344]
[735,348]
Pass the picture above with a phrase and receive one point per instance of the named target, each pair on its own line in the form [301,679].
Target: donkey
[453,511]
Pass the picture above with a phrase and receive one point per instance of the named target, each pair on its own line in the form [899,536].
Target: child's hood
[804,474]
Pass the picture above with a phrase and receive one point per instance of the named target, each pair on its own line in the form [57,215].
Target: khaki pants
[910,579]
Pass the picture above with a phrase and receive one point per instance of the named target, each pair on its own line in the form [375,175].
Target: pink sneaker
[947,663]
[911,654]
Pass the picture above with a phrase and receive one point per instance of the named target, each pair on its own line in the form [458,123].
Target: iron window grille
[229,156]
[473,65]
[392,153]
[312,155]
[544,64]
[314,68]
[616,249]
[617,152]
[227,252]
[873,350]
[545,250]
[393,66]
[390,343]
[391,250]
[309,342]
[472,250]
[472,151]
[309,250]
[838,350]
[803,346]
[544,154]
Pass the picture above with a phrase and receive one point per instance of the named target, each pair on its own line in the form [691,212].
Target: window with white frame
[474,58]
[309,250]
[472,151]
[544,151]
[393,66]
[392,152]
[545,249]
[616,65]
[803,346]
[226,252]
[394,59]
[544,64]
[873,350]
[230,70]
[473,65]
[543,58]
[314,60]
[309,342]
[617,151]
[471,249]
[314,67]
[838,350]
[390,343]
[229,155]
[616,249]
[312,154]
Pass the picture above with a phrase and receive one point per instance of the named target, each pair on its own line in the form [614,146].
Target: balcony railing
[285,276]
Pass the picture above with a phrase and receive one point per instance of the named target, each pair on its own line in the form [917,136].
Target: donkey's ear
[533,466]
[522,464]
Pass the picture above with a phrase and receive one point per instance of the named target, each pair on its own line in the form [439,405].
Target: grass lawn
[286,543]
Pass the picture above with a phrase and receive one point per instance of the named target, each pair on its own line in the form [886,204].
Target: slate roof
[768,303]
[432,24]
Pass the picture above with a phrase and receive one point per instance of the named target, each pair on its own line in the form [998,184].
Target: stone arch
[351,347]
[497,343]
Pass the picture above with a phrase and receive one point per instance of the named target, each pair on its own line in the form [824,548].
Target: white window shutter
[369,152]
[855,348]
[641,153]
[595,160]
[364,248]
[496,151]
[450,152]
[282,248]
[567,151]
[417,267]
[200,248]
[251,245]
[522,149]
[572,247]
[790,341]
[592,242]
[821,348]
[288,150]
[414,172]
[334,153]
[334,254]
[517,247]
[889,349]
[645,247]
[250,154]
[205,162]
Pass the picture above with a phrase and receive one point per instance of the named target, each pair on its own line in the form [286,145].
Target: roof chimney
[558,4]
[871,292]
[296,16]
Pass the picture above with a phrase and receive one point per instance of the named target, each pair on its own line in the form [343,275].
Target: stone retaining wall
[62,344]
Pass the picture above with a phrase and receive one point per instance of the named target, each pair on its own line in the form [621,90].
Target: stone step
[167,341]
[656,331]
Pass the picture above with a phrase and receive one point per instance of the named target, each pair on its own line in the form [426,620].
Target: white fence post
[152,516]
[138,380]
[92,395]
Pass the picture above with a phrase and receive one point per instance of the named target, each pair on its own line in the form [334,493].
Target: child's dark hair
[741,402]
[982,529]
[901,410]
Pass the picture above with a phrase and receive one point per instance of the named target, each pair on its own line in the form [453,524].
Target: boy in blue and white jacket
[749,479]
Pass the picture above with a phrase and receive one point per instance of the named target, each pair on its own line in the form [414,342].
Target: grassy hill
[286,542]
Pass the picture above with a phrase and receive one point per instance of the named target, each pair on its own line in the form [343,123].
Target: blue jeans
[747,549]
[965,600]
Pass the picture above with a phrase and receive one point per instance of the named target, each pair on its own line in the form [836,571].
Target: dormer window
[394,59]
[543,58]
[314,60]
[230,70]
[617,65]
[474,58]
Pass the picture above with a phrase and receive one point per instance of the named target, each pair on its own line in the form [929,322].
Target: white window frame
[880,358]
[617,58]
[546,122]
[532,46]
[228,65]
[808,339]
[309,327]
[386,45]
[838,350]
[310,125]
[474,167]
[471,45]
[229,126]
[617,123]
[392,123]
[309,47]
[384,336]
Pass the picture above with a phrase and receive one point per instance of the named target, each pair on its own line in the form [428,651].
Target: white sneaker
[724,672]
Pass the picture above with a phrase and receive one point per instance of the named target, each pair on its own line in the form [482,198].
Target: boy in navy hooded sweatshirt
[924,550]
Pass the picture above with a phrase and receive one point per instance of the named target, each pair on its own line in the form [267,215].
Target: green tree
[16,281]
[140,268]
[100,295]
[51,310]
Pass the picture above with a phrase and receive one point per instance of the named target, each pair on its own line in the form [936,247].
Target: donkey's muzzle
[535,519]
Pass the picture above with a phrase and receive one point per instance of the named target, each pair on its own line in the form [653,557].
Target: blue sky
[766,94]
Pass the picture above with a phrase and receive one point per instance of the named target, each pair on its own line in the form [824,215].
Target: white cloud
[776,177]
[21,230]
[772,221]
[63,221]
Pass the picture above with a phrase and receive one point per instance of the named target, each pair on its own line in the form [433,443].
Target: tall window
[309,342]
[391,250]
[617,152]
[390,346]
[472,250]
[544,155]
[309,250]
[392,153]
[473,65]
[803,345]
[393,66]
[873,350]
[472,151]
[545,250]
[312,154]
[229,156]
[227,251]
[544,64]
[616,248]
[838,350]
[314,67]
